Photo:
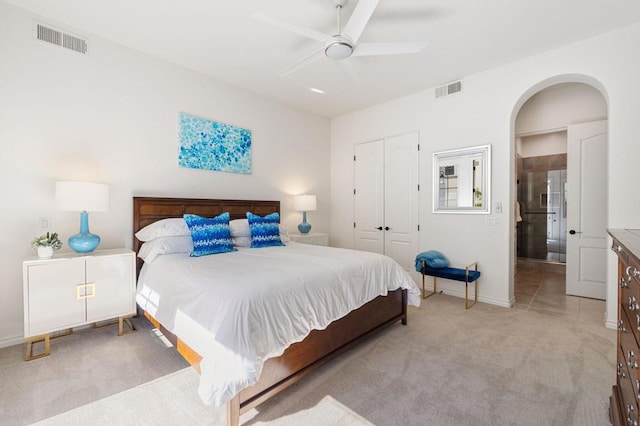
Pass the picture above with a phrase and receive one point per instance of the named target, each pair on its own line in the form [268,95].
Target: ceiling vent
[51,35]
[449,89]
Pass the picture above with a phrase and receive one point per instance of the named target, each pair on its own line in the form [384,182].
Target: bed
[276,373]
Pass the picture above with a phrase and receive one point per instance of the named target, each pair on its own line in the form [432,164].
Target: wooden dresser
[624,398]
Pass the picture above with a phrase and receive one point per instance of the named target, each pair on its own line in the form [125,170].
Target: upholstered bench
[466,275]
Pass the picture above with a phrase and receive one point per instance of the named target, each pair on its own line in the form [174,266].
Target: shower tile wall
[532,195]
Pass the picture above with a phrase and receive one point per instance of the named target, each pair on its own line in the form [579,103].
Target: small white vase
[45,252]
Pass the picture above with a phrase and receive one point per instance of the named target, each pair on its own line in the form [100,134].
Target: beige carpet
[485,366]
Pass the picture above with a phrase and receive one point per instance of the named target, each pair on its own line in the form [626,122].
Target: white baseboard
[613,325]
[11,341]
[457,292]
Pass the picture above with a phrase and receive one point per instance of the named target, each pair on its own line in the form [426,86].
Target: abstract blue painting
[206,144]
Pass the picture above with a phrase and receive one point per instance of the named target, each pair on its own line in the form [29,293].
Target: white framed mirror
[462,180]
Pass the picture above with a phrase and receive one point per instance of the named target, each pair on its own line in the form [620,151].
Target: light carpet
[485,366]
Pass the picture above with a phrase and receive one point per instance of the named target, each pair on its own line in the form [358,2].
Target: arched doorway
[540,122]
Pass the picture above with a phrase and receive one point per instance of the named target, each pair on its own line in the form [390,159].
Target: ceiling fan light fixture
[338,49]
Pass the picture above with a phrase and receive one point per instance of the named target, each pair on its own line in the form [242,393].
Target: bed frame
[300,358]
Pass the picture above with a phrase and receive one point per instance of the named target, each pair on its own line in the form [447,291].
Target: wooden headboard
[147,210]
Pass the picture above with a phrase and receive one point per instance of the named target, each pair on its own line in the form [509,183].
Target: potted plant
[46,244]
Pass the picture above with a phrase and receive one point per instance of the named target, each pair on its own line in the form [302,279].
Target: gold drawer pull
[85,291]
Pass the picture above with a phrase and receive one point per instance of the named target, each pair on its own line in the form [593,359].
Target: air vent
[449,89]
[51,35]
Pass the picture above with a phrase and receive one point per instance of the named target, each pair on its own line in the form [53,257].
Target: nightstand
[75,289]
[314,238]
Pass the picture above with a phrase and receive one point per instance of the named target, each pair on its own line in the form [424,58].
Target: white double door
[386,197]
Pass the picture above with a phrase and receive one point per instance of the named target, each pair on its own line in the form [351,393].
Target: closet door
[368,196]
[386,176]
[401,163]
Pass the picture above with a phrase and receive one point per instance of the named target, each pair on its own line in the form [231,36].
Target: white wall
[544,144]
[112,117]
[558,106]
[484,113]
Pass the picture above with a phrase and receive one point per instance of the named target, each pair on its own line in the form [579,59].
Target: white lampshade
[82,196]
[305,203]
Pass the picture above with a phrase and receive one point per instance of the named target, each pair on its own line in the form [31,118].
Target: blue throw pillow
[264,230]
[210,235]
[434,259]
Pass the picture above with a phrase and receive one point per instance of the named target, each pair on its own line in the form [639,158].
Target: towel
[434,259]
[518,216]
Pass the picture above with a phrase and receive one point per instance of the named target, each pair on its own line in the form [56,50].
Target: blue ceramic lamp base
[84,241]
[304,227]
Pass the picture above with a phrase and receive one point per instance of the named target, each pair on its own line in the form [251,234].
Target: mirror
[461,180]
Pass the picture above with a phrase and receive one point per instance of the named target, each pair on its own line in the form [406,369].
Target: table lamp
[82,197]
[304,204]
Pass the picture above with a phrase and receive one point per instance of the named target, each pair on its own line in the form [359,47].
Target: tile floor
[540,287]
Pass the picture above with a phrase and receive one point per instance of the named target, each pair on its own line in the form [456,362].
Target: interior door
[401,165]
[586,209]
[368,196]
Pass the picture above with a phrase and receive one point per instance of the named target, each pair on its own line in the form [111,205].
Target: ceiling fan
[344,43]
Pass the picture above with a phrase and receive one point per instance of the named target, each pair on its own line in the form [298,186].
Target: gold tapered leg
[121,321]
[28,355]
[125,320]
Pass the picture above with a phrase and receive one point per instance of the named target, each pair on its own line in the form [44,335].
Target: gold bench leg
[466,294]
[435,285]
[424,291]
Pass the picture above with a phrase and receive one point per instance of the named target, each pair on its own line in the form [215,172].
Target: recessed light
[314,90]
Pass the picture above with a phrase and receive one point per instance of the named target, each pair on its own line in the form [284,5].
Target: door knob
[573,232]
[386,228]
[379,228]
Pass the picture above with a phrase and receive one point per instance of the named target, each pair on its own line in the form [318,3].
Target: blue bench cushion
[456,274]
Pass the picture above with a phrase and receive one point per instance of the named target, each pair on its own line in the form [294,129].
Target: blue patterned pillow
[264,230]
[209,235]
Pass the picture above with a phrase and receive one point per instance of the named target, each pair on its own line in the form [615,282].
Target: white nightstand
[314,238]
[74,289]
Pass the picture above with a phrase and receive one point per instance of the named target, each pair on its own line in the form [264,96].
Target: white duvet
[239,309]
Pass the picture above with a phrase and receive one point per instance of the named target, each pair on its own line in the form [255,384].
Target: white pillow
[165,245]
[172,227]
[239,228]
[241,241]
[284,234]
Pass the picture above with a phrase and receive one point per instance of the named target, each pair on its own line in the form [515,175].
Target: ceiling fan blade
[295,28]
[313,56]
[374,49]
[346,67]
[358,20]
